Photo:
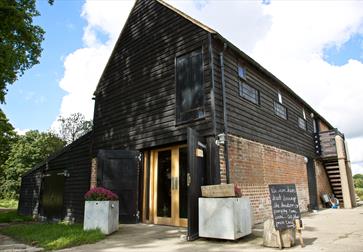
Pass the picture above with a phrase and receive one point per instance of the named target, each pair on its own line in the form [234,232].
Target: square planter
[102,215]
[225,218]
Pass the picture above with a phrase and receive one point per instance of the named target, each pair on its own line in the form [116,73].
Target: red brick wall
[322,181]
[253,166]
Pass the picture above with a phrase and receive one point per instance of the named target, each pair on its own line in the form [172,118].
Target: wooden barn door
[52,194]
[118,171]
[196,178]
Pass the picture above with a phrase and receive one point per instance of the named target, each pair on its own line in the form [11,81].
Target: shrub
[359,192]
[100,194]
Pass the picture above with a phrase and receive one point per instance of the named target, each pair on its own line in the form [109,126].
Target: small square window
[301,123]
[304,115]
[248,92]
[280,110]
[242,72]
[279,96]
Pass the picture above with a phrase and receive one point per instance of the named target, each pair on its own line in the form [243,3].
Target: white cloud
[287,37]
[83,67]
[357,168]
[21,132]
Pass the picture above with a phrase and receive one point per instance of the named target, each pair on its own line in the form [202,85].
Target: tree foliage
[28,150]
[7,137]
[73,127]
[20,40]
[358,180]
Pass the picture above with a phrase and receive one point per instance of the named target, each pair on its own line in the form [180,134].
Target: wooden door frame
[175,219]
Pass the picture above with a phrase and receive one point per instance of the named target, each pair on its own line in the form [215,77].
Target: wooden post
[299,227]
[279,240]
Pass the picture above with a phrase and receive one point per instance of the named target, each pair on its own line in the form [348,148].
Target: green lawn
[52,236]
[13,216]
[8,203]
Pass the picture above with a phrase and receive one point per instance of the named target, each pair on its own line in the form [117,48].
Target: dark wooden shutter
[118,171]
[52,194]
[196,170]
[189,86]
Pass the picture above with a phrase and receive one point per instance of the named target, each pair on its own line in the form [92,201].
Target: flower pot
[102,215]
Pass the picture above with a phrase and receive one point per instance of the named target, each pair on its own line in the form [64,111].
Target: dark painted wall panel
[77,161]
[29,193]
[135,99]
[258,122]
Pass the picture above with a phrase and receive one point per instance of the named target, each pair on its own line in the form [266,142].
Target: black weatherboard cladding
[135,99]
[29,192]
[258,122]
[76,159]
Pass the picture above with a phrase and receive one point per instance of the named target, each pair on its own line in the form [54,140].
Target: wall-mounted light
[65,173]
[220,139]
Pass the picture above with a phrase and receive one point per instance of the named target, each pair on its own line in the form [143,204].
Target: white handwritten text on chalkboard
[285,205]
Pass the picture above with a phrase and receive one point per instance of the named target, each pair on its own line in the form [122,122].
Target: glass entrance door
[169,189]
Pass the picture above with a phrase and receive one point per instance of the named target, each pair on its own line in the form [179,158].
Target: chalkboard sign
[285,205]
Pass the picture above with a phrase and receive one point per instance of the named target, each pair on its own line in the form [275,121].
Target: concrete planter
[102,215]
[225,218]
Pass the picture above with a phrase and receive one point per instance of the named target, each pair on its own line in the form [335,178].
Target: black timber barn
[169,106]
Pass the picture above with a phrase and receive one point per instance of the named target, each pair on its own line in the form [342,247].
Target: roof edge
[186,16]
[60,152]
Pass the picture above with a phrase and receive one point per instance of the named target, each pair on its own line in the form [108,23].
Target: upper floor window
[249,93]
[279,96]
[189,87]
[280,110]
[304,115]
[301,123]
[242,72]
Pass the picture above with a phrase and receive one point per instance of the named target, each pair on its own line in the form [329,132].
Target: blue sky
[33,101]
[339,55]
[319,57]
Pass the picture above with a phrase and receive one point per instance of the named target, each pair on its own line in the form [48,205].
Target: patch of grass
[359,192]
[13,216]
[8,203]
[52,236]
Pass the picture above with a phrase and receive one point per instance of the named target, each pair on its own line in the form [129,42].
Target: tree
[73,127]
[29,150]
[20,41]
[7,136]
[358,180]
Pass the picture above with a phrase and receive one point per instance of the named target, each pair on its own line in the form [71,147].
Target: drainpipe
[213,106]
[225,122]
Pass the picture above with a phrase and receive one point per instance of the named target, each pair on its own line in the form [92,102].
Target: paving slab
[7,244]
[327,230]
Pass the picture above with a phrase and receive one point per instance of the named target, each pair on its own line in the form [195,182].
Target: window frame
[244,77]
[276,103]
[245,95]
[299,121]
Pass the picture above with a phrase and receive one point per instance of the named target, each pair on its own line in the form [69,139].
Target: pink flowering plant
[100,194]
